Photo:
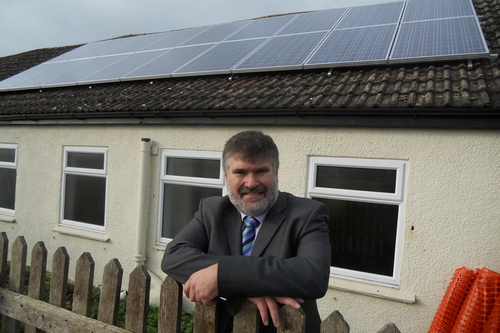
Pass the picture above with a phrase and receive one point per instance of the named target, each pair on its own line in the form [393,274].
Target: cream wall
[452,201]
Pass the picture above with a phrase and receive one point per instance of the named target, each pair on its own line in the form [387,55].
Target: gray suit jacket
[290,256]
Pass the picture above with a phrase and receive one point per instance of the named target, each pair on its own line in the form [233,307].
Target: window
[186,178]
[84,187]
[8,174]
[366,202]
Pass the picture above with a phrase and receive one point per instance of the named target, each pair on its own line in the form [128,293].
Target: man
[256,242]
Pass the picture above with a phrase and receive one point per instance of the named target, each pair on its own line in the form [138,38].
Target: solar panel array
[401,31]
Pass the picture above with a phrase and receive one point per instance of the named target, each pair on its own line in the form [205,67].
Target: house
[407,157]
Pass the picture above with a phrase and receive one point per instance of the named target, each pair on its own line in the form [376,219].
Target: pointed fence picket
[53,317]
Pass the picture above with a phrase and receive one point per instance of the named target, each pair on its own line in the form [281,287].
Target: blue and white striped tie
[248,234]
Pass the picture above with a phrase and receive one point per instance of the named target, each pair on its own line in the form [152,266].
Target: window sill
[7,218]
[81,233]
[371,290]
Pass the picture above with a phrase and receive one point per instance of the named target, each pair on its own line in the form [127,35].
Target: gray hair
[251,146]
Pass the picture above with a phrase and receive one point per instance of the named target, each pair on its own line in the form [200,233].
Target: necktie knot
[248,234]
[251,222]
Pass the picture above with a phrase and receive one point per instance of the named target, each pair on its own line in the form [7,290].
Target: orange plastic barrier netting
[452,301]
[493,324]
[479,303]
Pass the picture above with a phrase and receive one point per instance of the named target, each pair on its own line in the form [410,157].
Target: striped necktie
[248,234]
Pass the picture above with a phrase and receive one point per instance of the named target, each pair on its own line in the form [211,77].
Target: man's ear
[277,179]
[225,176]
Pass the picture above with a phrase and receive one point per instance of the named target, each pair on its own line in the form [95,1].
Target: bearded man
[257,242]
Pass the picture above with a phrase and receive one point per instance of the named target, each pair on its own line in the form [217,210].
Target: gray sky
[32,24]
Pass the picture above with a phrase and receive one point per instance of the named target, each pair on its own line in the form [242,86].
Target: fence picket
[204,319]
[17,277]
[84,284]
[59,280]
[4,251]
[247,318]
[335,323]
[291,320]
[389,328]
[170,313]
[136,319]
[110,293]
[38,272]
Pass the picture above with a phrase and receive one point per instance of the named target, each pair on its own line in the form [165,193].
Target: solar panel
[262,27]
[78,53]
[434,9]
[283,51]
[223,57]
[355,45]
[169,62]
[138,42]
[314,21]
[415,30]
[364,16]
[437,38]
[13,81]
[174,39]
[115,71]
[56,71]
[215,33]
[78,73]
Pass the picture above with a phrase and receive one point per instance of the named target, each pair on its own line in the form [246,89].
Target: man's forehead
[256,161]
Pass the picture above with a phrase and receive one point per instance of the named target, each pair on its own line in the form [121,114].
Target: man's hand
[201,287]
[271,303]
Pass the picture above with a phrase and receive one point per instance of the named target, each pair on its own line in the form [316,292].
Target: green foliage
[187,322]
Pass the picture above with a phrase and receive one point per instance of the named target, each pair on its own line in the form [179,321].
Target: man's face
[252,186]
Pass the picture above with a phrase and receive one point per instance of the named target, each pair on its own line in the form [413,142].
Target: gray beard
[258,207]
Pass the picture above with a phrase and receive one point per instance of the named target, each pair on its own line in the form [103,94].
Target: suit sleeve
[187,252]
[303,275]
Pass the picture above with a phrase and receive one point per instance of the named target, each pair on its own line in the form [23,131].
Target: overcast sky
[32,24]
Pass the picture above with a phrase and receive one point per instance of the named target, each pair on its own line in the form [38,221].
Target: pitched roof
[444,89]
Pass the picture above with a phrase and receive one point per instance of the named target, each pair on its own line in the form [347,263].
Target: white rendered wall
[452,200]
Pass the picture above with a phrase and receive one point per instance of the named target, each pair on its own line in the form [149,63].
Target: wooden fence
[53,317]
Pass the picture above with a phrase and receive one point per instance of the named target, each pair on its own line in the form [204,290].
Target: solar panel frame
[168,62]
[323,20]
[380,14]
[339,50]
[214,59]
[286,52]
[418,10]
[430,44]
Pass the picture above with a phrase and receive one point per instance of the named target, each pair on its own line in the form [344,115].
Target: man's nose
[251,181]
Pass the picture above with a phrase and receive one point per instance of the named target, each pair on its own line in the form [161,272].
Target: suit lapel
[232,226]
[273,220]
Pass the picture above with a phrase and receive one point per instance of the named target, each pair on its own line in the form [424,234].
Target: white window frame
[102,173]
[183,180]
[396,198]
[9,165]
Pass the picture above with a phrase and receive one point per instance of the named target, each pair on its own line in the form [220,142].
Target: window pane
[7,155]
[180,202]
[362,235]
[86,160]
[191,167]
[84,199]
[374,180]
[7,188]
